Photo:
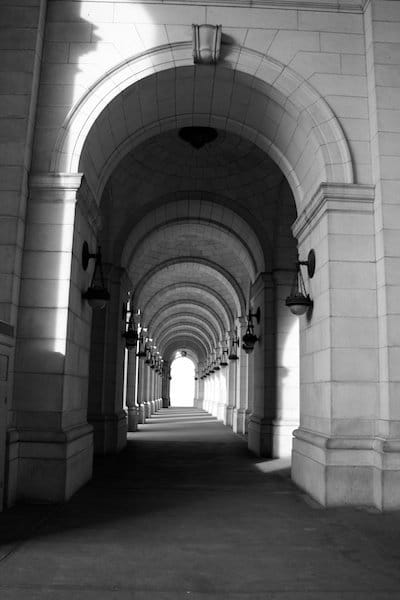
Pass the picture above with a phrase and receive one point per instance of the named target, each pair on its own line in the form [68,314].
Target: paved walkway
[186,513]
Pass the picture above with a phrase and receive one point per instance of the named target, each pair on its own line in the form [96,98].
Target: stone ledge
[338,197]
[51,470]
[348,6]
[340,471]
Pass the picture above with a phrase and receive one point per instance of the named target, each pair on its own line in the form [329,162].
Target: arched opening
[182,387]
[200,237]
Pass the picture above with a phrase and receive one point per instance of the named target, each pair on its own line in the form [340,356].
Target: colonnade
[147,389]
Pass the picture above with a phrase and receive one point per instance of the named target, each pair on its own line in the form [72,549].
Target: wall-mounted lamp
[141,353]
[249,338]
[130,334]
[224,358]
[233,355]
[298,300]
[97,295]
[217,360]
[148,350]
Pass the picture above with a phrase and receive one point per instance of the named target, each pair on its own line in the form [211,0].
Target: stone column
[153,378]
[215,393]
[197,381]
[231,392]
[142,391]
[262,359]
[224,394]
[336,454]
[210,392]
[382,34]
[21,70]
[158,399]
[106,412]
[287,406]
[240,413]
[205,401]
[55,442]
[200,397]
[133,411]
[148,392]
[165,385]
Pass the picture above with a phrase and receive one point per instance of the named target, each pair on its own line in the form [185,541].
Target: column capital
[333,197]
[54,187]
[264,280]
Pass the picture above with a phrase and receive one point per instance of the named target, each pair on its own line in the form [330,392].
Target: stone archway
[318,145]
[293,125]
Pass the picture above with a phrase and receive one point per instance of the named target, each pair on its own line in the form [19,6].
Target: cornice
[54,187]
[347,6]
[334,197]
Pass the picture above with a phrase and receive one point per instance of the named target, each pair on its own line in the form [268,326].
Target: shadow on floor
[186,512]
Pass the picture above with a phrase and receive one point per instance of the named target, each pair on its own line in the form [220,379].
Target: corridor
[186,512]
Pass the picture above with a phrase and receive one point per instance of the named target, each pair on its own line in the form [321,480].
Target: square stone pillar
[132,408]
[287,401]
[142,386]
[382,35]
[231,379]
[52,438]
[106,412]
[336,455]
[240,412]
[165,386]
[262,363]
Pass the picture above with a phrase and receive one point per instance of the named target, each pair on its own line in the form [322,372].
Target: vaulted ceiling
[194,227]
[193,224]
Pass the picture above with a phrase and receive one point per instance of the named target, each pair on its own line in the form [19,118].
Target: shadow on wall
[53,332]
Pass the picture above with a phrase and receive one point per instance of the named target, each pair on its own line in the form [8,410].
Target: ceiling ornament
[198,136]
[206,44]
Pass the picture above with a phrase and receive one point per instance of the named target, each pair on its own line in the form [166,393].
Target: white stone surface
[315,90]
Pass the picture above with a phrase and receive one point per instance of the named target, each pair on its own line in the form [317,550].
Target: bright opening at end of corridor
[182,382]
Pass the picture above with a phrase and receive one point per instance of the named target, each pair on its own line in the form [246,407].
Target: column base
[228,418]
[347,471]
[239,420]
[198,403]
[49,466]
[165,402]
[133,418]
[270,438]
[147,410]
[110,432]
[221,411]
[142,414]
[260,435]
[214,408]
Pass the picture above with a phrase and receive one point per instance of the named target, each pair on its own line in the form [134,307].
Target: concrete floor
[185,512]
